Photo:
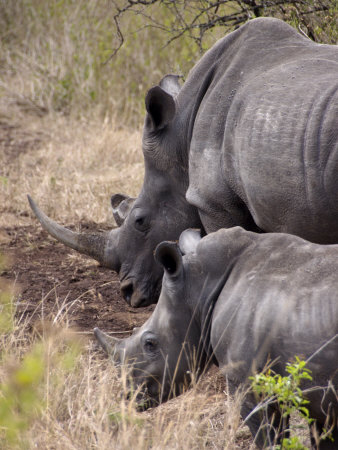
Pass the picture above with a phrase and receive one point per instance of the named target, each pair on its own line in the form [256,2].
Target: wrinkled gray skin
[241,299]
[251,139]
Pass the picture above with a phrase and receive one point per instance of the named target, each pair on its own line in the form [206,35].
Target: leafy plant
[24,392]
[20,400]
[286,391]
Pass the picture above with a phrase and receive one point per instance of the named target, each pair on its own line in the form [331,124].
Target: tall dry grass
[77,401]
[70,167]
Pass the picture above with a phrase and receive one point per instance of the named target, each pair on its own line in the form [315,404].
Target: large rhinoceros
[242,300]
[251,139]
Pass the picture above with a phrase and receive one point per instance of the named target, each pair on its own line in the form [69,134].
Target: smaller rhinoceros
[241,300]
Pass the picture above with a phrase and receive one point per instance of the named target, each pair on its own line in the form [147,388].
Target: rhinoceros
[241,300]
[251,140]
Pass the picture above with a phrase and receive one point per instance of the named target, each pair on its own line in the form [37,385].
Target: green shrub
[287,393]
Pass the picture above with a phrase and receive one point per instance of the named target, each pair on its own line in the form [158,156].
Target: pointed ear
[189,240]
[169,256]
[121,205]
[161,108]
[170,84]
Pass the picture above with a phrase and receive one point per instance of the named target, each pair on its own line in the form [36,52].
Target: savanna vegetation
[71,110]
[62,56]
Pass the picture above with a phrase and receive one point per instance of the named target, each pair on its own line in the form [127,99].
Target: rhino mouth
[143,401]
[140,297]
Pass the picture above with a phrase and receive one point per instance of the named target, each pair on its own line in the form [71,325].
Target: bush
[57,55]
[56,58]
[287,393]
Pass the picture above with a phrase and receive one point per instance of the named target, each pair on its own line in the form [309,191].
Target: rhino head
[161,211]
[175,344]
[166,351]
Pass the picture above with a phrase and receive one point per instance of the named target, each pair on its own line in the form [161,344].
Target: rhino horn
[99,246]
[107,342]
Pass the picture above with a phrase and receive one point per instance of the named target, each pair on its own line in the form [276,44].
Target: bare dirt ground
[52,278]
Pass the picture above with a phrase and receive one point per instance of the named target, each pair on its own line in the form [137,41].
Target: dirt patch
[53,282]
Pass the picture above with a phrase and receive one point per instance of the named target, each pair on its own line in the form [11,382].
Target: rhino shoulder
[218,249]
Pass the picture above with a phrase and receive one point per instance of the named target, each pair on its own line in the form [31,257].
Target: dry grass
[72,171]
[56,57]
[80,406]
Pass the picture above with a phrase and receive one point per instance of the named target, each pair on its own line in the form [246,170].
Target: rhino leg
[267,425]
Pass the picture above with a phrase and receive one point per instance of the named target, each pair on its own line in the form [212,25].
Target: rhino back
[284,138]
[265,130]
[281,300]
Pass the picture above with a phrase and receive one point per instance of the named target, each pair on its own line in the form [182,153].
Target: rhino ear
[189,240]
[170,84]
[121,205]
[160,106]
[169,256]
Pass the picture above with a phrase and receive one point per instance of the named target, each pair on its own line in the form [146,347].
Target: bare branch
[195,17]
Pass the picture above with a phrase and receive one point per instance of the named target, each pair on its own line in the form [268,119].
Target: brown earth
[53,281]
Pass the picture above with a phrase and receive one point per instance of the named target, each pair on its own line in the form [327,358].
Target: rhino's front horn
[107,342]
[99,246]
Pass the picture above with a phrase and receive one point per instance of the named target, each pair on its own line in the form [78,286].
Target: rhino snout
[132,295]
[127,290]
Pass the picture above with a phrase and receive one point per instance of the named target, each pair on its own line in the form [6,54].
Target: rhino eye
[141,223]
[150,345]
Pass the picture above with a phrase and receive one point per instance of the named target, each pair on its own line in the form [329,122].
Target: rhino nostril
[143,302]
[127,290]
